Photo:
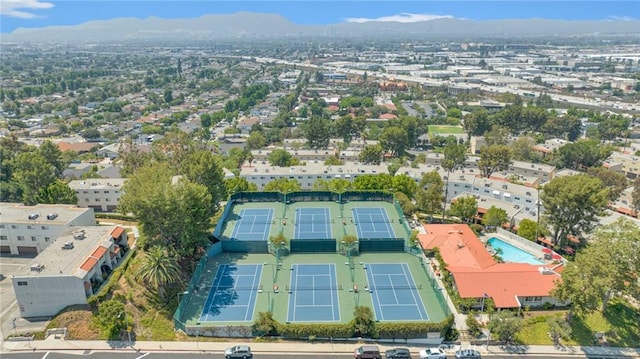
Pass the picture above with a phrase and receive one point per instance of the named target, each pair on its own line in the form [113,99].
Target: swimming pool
[511,253]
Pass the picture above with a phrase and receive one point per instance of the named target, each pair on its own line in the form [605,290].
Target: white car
[433,353]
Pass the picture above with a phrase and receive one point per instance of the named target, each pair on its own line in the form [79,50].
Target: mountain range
[260,25]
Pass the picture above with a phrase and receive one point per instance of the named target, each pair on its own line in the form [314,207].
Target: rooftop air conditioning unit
[33,216]
[52,216]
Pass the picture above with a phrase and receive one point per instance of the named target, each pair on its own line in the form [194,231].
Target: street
[140,355]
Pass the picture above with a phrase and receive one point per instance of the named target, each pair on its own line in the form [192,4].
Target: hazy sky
[40,13]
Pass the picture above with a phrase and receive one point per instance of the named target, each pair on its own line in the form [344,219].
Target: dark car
[398,353]
[238,352]
[468,354]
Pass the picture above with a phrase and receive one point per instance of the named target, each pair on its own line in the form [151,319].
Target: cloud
[16,8]
[621,18]
[403,18]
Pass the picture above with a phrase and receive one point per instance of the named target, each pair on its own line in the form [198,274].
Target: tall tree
[53,155]
[455,155]
[58,192]
[280,157]
[522,149]
[159,268]
[505,325]
[317,131]
[282,185]
[337,185]
[175,215]
[465,208]
[615,182]
[635,195]
[498,135]
[395,140]
[377,182]
[430,193]
[495,217]
[371,155]
[255,141]
[404,184]
[32,172]
[529,229]
[204,167]
[572,205]
[494,158]
[239,184]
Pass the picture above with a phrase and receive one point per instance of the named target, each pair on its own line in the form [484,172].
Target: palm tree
[159,268]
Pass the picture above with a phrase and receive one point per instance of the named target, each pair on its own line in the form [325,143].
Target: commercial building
[28,230]
[101,194]
[69,271]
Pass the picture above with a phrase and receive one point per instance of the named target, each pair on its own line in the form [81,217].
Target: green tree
[494,158]
[158,269]
[238,184]
[131,157]
[522,149]
[407,206]
[615,182]
[317,131]
[333,161]
[265,325]
[473,325]
[371,155]
[559,328]
[529,229]
[465,208]
[32,172]
[175,215]
[109,318]
[581,154]
[572,205]
[58,192]
[280,157]
[455,155]
[337,185]
[53,155]
[498,135]
[380,182]
[495,217]
[282,185]
[364,322]
[255,141]
[204,168]
[430,194]
[395,140]
[505,325]
[635,195]
[405,185]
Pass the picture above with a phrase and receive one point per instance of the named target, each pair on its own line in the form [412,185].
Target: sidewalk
[294,347]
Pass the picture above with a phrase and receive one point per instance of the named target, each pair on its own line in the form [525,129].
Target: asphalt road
[134,355]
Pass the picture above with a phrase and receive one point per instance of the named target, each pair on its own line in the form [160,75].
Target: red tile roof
[476,272]
[77,147]
[458,245]
[117,232]
[504,282]
[88,264]
[99,252]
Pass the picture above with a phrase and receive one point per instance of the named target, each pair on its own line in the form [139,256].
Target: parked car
[367,352]
[398,353]
[433,353]
[238,351]
[468,354]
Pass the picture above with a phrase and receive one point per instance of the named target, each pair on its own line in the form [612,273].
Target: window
[13,226]
[23,283]
[33,238]
[30,227]
[528,201]
[1,225]
[97,199]
[486,191]
[116,192]
[85,192]
[516,198]
[105,191]
[537,299]
[107,200]
[3,238]
[21,238]
[46,239]
[44,228]
[96,192]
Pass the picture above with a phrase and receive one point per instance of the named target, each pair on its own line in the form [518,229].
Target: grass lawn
[620,322]
[444,129]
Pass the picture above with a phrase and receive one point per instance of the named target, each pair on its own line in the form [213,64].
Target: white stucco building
[101,194]
[70,270]
[28,230]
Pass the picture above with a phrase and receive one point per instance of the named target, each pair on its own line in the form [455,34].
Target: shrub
[473,325]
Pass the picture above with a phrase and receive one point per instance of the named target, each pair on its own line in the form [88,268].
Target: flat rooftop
[58,261]
[19,213]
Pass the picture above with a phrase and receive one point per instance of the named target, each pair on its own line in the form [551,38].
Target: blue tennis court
[394,293]
[313,223]
[253,224]
[372,223]
[313,293]
[232,296]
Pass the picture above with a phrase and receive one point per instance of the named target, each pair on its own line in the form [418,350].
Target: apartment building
[101,194]
[629,164]
[310,155]
[29,230]
[69,271]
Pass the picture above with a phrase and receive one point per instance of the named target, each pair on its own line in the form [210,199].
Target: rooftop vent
[67,245]
[33,216]
[37,267]
[52,216]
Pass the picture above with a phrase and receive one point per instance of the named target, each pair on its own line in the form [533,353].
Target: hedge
[407,330]
[304,330]
[119,216]
[113,280]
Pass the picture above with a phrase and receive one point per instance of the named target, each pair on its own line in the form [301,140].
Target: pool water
[512,253]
